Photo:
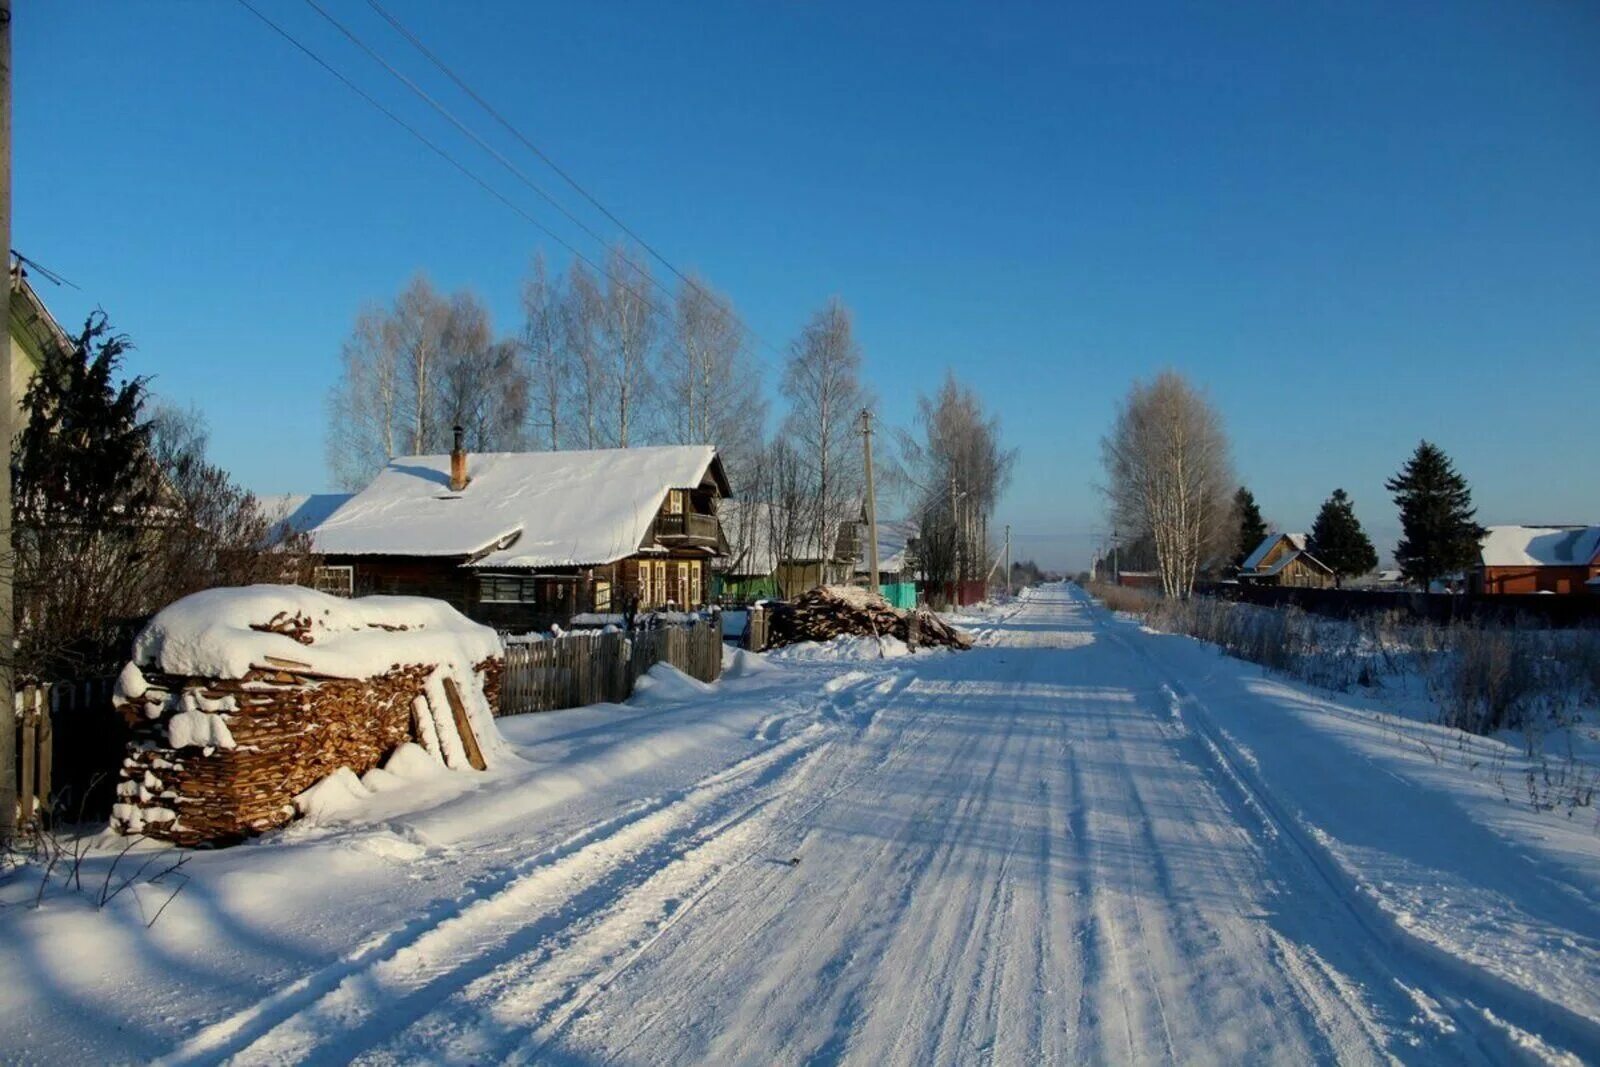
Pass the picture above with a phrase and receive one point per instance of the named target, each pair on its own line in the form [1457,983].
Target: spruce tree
[1338,540]
[1252,528]
[1439,534]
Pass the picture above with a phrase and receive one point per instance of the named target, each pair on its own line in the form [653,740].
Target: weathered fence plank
[580,669]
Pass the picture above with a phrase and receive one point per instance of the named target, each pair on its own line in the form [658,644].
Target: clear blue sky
[1355,225]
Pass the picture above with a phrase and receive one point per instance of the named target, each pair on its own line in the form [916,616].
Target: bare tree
[628,329]
[1169,474]
[582,313]
[710,385]
[954,470]
[483,386]
[364,405]
[411,372]
[822,381]
[550,362]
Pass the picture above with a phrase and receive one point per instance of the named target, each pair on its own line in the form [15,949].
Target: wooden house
[1538,559]
[1282,559]
[524,540]
[776,552]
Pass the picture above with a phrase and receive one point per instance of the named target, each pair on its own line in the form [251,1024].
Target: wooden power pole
[872,502]
[8,707]
[1008,560]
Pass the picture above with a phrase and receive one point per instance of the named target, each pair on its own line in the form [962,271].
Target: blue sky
[1354,225]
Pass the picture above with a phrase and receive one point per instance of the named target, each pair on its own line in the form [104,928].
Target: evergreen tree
[1251,526]
[1439,534]
[1338,540]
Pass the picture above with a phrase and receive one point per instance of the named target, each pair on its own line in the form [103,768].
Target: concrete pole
[8,710]
[872,502]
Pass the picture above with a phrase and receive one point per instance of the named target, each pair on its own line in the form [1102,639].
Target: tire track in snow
[358,988]
[1474,1031]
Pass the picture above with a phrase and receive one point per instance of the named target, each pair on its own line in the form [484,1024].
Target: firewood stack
[215,760]
[827,612]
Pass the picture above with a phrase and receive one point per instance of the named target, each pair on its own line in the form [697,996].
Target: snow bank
[666,684]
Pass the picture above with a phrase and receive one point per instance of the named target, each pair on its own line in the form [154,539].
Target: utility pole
[1008,560]
[872,502]
[1116,570]
[8,707]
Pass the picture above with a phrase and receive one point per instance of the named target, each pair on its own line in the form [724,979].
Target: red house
[1538,559]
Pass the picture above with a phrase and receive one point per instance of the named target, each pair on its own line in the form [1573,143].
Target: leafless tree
[483,385]
[628,329]
[710,385]
[583,310]
[549,358]
[1169,473]
[364,407]
[822,382]
[413,371]
[953,469]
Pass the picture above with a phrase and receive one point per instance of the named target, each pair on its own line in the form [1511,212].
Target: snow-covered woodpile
[832,611]
[240,700]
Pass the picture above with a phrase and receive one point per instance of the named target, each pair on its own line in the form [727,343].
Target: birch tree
[710,385]
[583,309]
[364,407]
[822,382]
[628,329]
[549,359]
[1169,474]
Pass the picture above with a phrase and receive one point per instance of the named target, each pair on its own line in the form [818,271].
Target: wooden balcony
[688,528]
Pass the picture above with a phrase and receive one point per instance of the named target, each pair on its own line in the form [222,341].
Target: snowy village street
[1072,844]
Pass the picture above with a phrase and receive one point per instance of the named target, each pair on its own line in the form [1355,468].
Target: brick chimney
[458,465]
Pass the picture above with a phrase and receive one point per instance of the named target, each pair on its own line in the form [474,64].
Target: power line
[458,165]
[633,235]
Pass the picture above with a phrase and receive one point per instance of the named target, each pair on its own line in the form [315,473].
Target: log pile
[288,731]
[827,612]
[232,718]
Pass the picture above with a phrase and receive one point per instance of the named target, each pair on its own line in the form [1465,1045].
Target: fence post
[29,750]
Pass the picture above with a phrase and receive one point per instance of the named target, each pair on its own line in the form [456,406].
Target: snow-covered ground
[1080,841]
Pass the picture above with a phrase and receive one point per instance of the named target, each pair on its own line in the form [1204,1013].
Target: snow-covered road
[1071,844]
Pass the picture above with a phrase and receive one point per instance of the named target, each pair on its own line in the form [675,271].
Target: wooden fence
[1504,609]
[580,668]
[70,742]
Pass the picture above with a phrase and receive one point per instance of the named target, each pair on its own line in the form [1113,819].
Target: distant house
[1537,559]
[524,540]
[898,566]
[1282,559]
[776,552]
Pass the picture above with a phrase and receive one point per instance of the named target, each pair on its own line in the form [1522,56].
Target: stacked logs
[289,729]
[827,612]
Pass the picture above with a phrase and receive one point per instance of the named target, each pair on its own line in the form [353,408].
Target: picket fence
[593,668]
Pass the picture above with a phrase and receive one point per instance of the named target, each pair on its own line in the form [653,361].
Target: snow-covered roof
[300,512]
[893,537]
[1539,546]
[519,509]
[1297,546]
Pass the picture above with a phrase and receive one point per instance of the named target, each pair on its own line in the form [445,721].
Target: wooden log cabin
[525,540]
[1282,559]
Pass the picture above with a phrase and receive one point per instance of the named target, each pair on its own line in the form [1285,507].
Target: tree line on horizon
[1170,479]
